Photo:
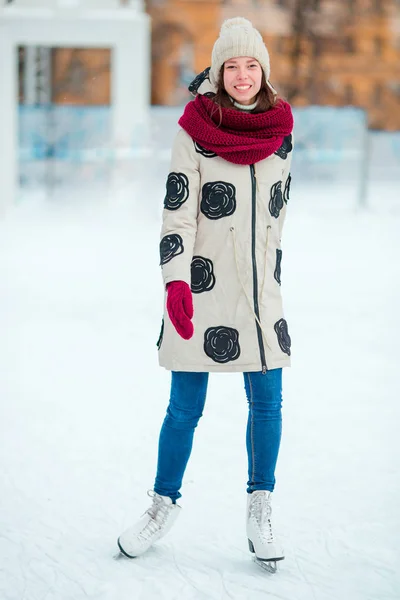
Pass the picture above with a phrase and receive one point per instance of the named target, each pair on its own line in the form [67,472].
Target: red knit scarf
[239,137]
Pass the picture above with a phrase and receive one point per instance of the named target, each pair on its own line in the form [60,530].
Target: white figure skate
[153,525]
[262,542]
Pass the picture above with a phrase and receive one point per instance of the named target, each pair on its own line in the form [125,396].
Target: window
[378,44]
[377,95]
[279,44]
[349,44]
[330,45]
[348,94]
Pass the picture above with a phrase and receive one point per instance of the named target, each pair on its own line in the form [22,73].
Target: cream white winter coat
[221,233]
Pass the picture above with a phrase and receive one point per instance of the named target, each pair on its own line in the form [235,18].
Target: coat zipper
[253,256]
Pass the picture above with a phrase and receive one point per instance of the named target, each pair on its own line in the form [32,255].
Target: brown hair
[266,98]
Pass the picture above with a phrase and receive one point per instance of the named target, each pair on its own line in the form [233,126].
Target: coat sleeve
[179,226]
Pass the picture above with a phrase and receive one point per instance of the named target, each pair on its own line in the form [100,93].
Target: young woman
[224,209]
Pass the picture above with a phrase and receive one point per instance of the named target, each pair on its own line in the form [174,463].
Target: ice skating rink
[82,400]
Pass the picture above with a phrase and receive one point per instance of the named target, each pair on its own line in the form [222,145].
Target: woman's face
[242,79]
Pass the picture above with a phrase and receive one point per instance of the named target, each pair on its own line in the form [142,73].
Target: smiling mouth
[242,88]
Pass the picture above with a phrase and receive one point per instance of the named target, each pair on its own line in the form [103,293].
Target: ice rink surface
[83,398]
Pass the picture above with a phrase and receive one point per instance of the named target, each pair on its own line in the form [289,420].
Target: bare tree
[315,23]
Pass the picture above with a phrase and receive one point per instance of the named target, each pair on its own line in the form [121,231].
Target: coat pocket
[160,337]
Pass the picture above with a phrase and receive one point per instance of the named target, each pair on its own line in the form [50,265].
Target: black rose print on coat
[177,191]
[277,272]
[285,148]
[170,246]
[209,94]
[218,199]
[202,275]
[203,151]
[198,80]
[222,344]
[286,191]
[284,341]
[276,201]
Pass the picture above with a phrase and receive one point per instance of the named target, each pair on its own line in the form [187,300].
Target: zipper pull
[264,369]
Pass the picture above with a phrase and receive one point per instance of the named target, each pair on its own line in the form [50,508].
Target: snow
[83,399]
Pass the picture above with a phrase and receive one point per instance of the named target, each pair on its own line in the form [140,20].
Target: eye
[230,67]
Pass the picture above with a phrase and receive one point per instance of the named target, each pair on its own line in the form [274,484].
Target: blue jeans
[263,436]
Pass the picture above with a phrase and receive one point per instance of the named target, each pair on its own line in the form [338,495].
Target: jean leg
[187,399]
[264,427]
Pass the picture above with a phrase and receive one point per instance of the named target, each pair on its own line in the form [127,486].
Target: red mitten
[180,308]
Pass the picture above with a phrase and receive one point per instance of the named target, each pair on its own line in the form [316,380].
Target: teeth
[243,87]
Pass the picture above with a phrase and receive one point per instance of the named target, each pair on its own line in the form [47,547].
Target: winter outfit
[224,209]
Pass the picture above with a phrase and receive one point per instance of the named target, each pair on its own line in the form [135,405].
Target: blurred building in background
[323,52]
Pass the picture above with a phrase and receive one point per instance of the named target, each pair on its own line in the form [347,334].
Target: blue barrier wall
[331,143]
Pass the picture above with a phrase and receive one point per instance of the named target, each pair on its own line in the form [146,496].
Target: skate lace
[158,513]
[261,510]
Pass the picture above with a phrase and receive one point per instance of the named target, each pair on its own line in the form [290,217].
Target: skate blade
[122,551]
[268,565]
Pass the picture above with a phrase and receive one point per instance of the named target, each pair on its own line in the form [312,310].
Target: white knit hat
[238,37]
